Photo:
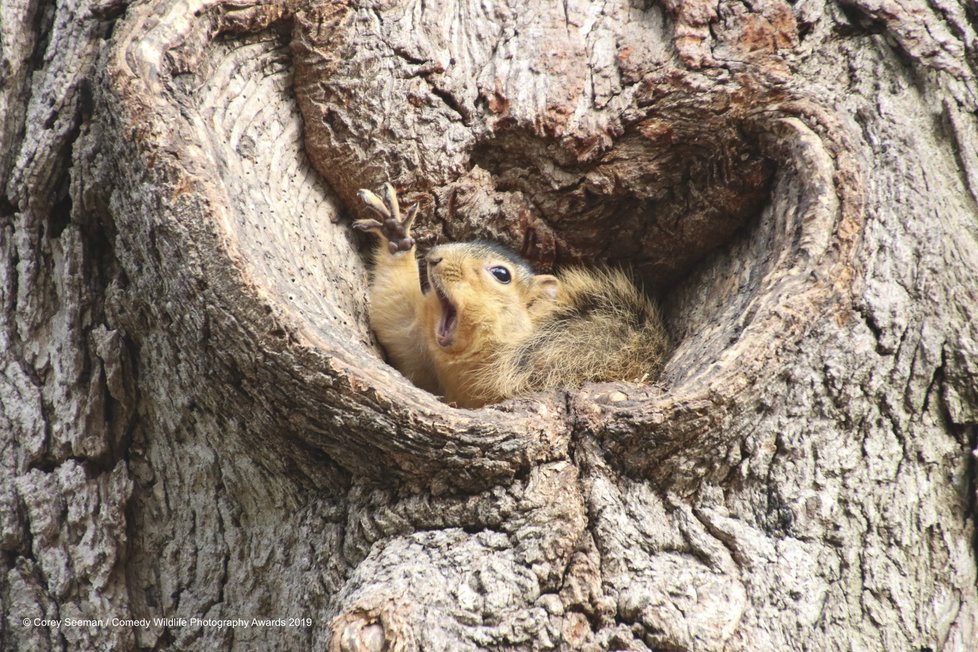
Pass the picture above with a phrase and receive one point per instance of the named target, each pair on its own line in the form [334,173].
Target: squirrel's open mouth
[449,319]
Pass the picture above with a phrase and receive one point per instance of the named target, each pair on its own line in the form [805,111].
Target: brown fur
[532,333]
[604,329]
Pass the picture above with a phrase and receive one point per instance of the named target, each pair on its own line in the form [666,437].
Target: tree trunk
[198,426]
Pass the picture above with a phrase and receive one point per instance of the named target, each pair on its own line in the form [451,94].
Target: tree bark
[197,423]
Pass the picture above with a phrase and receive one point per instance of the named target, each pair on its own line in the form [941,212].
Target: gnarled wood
[200,425]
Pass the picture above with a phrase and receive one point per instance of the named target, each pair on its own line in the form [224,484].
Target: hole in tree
[669,200]
[657,201]
[675,199]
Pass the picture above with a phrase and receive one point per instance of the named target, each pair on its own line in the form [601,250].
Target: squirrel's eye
[501,274]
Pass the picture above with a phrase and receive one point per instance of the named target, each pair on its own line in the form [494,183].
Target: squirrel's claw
[368,225]
[390,198]
[374,203]
[408,220]
[391,227]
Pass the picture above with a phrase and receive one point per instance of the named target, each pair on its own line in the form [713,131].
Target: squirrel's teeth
[448,321]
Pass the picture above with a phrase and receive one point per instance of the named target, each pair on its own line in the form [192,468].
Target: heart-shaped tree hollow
[274,458]
[729,198]
[724,197]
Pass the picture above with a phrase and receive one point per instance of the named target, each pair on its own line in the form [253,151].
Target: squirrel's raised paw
[393,229]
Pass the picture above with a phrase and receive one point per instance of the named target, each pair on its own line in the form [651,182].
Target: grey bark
[197,423]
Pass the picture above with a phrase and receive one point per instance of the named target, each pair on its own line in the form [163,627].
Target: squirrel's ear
[546,286]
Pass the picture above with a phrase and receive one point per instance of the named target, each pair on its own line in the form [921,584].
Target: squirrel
[489,328]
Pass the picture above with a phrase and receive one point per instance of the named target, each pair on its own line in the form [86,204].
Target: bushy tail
[606,329]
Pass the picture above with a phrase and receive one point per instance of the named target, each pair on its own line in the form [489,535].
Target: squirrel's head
[481,295]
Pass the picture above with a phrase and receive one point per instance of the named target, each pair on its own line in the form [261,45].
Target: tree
[197,423]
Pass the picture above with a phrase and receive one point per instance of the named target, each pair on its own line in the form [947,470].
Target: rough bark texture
[196,422]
